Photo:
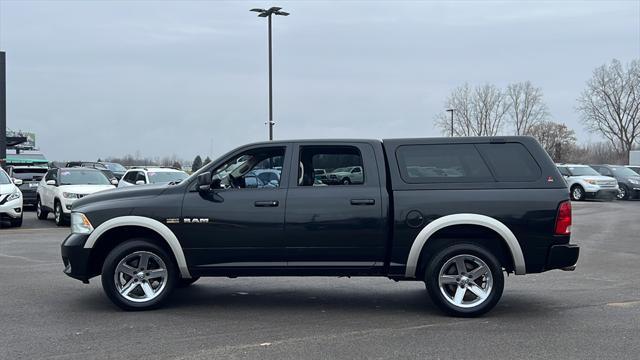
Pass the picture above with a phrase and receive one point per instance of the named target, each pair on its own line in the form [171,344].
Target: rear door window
[438,163]
[510,162]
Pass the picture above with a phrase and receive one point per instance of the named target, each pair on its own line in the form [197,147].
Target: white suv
[59,188]
[151,175]
[10,200]
[584,182]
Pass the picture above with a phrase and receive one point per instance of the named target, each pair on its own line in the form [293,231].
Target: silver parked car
[584,182]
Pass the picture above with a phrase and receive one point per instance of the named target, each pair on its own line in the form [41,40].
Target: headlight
[15,195]
[590,181]
[80,224]
[634,181]
[70,195]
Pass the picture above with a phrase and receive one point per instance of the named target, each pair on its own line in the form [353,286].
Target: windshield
[115,167]
[83,177]
[29,173]
[4,179]
[163,177]
[623,171]
[582,171]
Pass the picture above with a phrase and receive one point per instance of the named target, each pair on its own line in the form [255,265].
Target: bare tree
[557,139]
[478,112]
[527,107]
[610,104]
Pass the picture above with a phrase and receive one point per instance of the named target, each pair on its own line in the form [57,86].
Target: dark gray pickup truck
[456,213]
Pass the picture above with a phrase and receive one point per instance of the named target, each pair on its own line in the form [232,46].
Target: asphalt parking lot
[593,312]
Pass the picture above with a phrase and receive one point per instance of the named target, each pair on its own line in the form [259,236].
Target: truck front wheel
[464,280]
[138,275]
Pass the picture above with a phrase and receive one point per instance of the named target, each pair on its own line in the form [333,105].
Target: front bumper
[602,194]
[29,197]
[76,258]
[563,257]
[12,209]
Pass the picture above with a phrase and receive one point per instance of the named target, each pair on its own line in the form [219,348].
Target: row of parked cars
[601,181]
[54,189]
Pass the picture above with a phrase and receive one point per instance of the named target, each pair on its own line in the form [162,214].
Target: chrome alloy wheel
[140,276]
[577,193]
[465,281]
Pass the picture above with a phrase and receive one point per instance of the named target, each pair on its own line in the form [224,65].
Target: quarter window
[451,163]
[510,162]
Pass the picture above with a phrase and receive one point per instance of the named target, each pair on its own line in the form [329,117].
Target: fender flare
[151,224]
[465,219]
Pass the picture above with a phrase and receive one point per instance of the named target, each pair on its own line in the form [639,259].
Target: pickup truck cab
[456,213]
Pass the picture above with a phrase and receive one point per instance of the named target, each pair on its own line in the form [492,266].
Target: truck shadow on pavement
[209,300]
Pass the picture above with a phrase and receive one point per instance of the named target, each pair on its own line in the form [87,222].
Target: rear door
[332,224]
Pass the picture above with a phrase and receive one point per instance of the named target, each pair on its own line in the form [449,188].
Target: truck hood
[122,193]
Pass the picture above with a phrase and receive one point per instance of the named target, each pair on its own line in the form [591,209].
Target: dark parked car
[628,180]
[635,168]
[30,176]
[94,165]
[117,169]
[455,213]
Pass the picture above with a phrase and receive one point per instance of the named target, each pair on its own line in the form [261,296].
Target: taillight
[563,219]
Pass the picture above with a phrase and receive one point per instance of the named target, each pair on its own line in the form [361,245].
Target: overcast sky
[97,79]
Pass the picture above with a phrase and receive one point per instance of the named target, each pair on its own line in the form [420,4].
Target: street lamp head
[452,110]
[271,11]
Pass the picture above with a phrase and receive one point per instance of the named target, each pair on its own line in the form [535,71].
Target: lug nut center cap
[140,275]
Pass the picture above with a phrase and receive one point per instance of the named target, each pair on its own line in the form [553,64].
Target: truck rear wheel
[138,275]
[464,280]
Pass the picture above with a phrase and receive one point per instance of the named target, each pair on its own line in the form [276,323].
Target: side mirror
[139,182]
[17,182]
[204,182]
[51,182]
[114,181]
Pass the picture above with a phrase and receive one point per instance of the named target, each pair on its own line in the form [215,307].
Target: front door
[334,208]
[241,224]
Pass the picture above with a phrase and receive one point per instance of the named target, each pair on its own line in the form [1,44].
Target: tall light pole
[267,13]
[451,111]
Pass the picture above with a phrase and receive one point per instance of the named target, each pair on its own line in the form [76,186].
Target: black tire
[59,214]
[119,253]
[432,273]
[624,192]
[183,283]
[346,181]
[41,213]
[17,222]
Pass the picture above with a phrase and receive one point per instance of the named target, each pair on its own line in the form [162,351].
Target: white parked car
[584,182]
[10,200]
[59,188]
[151,175]
[346,175]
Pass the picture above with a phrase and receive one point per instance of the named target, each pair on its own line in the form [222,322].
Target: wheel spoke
[477,272]
[148,291]
[144,261]
[157,273]
[124,268]
[460,266]
[478,291]
[448,279]
[128,287]
[457,299]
